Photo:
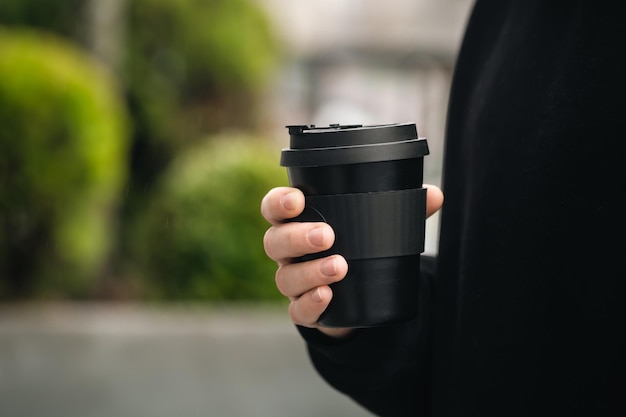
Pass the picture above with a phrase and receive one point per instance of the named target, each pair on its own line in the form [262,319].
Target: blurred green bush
[202,236]
[63,161]
[198,66]
[188,70]
[191,68]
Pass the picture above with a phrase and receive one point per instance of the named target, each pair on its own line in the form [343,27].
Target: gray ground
[138,361]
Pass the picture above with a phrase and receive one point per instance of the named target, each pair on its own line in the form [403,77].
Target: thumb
[434,199]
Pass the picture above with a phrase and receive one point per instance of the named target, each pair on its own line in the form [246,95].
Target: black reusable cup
[366,182]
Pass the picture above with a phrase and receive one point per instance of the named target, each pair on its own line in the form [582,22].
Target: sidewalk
[142,361]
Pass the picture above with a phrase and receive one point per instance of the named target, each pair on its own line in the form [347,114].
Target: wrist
[337,333]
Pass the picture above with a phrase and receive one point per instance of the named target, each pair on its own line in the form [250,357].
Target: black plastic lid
[352,144]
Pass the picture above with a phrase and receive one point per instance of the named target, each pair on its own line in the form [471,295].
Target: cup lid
[350,144]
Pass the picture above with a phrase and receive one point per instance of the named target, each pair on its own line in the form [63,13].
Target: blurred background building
[137,138]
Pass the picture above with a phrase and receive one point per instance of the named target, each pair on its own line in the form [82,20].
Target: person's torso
[529,302]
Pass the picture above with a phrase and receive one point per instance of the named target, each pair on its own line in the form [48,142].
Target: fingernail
[316,236]
[288,201]
[329,267]
[317,295]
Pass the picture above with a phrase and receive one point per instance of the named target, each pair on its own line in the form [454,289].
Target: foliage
[191,68]
[59,17]
[202,238]
[202,62]
[63,144]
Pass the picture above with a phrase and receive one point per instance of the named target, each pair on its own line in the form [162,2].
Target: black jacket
[523,313]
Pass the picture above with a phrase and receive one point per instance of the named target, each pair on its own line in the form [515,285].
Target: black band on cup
[371,225]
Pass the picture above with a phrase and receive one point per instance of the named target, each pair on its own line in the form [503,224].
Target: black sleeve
[385,369]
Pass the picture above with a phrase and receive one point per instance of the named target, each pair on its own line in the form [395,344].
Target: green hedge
[197,66]
[202,237]
[190,68]
[63,147]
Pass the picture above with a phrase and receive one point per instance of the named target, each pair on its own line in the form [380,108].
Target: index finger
[282,203]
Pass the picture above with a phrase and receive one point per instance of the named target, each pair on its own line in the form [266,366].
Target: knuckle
[267,242]
[293,314]
[279,279]
[266,203]
[295,238]
[303,313]
[270,206]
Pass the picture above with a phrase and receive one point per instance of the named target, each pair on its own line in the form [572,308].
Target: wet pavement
[89,360]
